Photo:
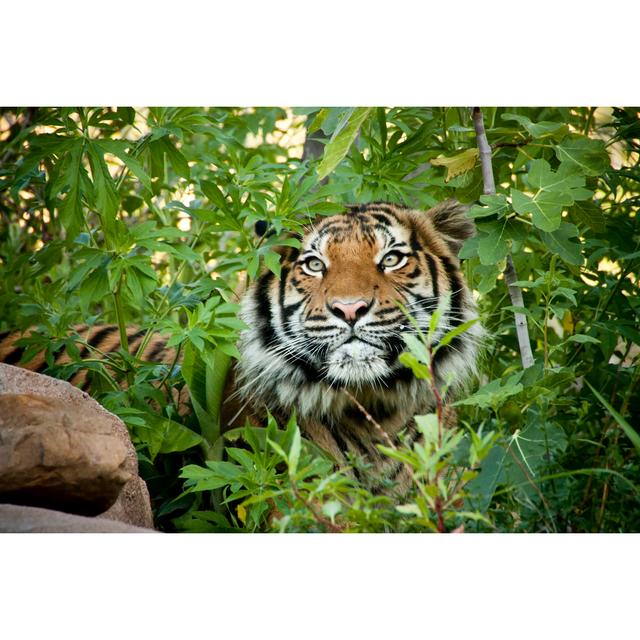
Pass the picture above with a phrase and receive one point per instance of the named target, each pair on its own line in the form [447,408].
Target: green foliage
[146,217]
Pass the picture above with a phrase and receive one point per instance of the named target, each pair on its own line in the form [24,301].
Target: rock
[21,519]
[53,456]
[132,504]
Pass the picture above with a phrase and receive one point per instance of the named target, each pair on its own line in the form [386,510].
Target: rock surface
[133,505]
[21,519]
[53,456]
[80,436]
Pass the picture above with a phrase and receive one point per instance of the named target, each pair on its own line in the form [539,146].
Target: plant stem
[333,528]
[510,275]
[587,126]
[122,327]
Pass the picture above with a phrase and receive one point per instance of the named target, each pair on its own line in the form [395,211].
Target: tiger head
[333,320]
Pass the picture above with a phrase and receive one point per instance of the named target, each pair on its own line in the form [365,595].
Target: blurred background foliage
[147,217]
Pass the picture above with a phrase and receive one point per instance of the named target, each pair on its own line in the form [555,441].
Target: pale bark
[510,275]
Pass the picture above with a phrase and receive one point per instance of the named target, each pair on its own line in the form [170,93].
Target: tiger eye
[313,264]
[391,259]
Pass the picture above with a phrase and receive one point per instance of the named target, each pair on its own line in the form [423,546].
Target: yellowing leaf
[242,514]
[458,164]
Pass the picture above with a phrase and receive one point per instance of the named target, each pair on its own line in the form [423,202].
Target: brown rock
[16,380]
[21,519]
[53,456]
[133,505]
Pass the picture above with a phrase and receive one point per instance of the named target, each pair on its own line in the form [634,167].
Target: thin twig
[510,275]
[334,528]
[381,432]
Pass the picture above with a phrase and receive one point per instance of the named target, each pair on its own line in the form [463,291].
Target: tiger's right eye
[314,265]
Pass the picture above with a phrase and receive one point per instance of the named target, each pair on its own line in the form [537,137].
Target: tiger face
[333,320]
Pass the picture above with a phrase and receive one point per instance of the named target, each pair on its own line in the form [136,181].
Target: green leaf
[530,451]
[118,148]
[176,159]
[488,277]
[581,338]
[458,164]
[554,192]
[589,214]
[449,336]
[341,141]
[582,154]
[71,213]
[420,370]
[559,243]
[107,199]
[494,393]
[629,431]
[492,243]
[481,489]
[331,509]
[206,379]
[294,452]
[272,260]
[177,437]
[214,194]
[495,205]
[538,129]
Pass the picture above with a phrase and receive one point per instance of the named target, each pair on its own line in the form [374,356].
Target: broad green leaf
[488,277]
[559,243]
[589,214]
[494,393]
[495,205]
[584,155]
[553,192]
[458,164]
[530,451]
[538,129]
[480,490]
[177,437]
[492,243]
[341,141]
[469,249]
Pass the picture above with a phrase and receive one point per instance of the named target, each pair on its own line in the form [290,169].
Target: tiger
[324,338]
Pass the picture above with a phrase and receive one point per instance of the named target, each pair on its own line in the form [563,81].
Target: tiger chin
[324,338]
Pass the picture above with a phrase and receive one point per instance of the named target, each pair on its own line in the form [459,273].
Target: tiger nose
[349,311]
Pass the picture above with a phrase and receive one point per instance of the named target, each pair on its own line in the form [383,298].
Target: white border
[318,586]
[334,52]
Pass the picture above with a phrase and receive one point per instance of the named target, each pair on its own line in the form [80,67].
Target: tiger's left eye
[392,259]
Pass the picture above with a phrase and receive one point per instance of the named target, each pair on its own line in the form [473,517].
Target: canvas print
[320,319]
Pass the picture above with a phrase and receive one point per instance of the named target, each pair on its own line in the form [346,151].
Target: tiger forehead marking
[333,321]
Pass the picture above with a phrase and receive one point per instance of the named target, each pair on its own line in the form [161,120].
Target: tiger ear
[450,221]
